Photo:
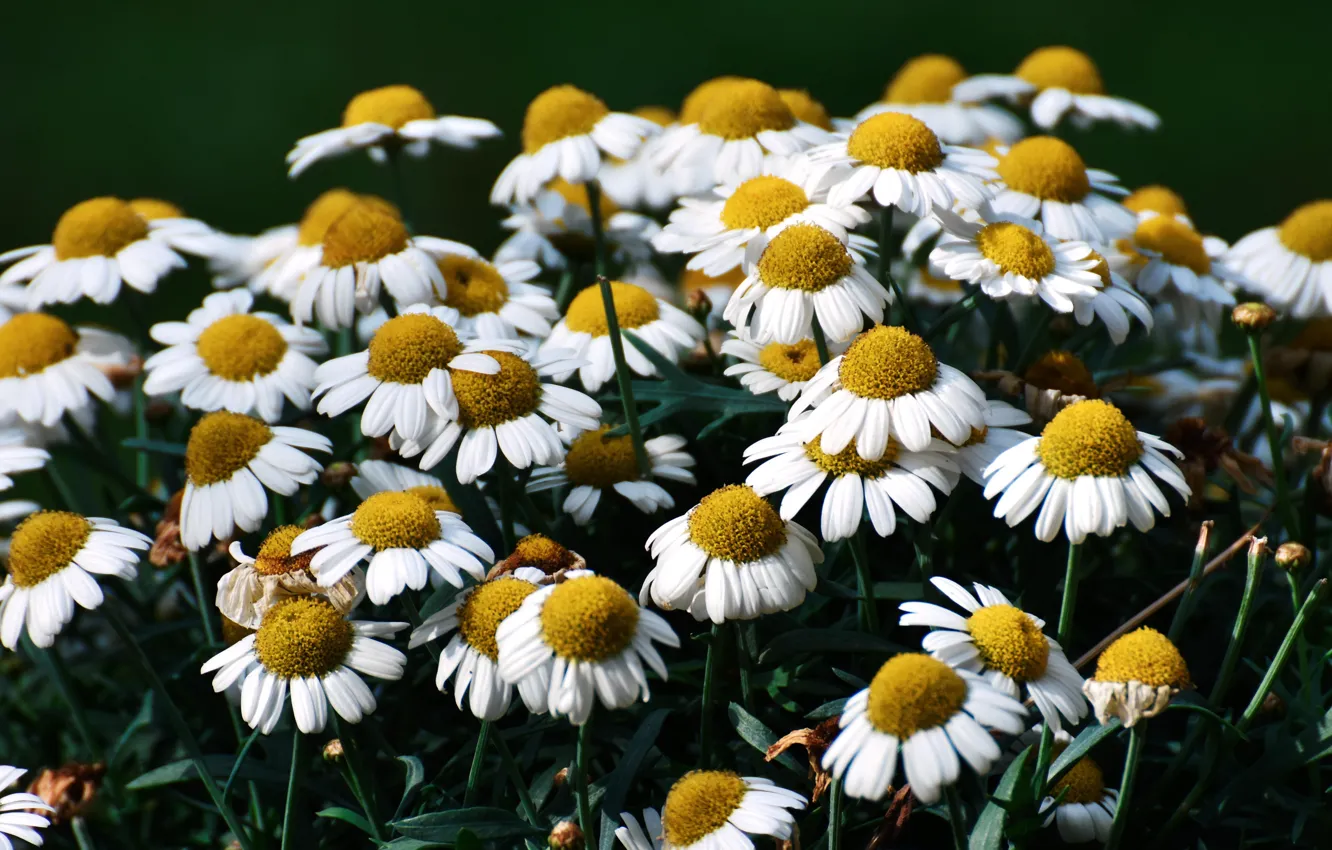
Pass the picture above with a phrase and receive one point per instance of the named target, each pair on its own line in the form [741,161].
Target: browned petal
[69,789]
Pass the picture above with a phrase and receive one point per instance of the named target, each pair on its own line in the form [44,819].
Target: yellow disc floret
[942,284]
[1009,641]
[100,227]
[1145,656]
[700,803]
[1084,783]
[364,233]
[489,603]
[44,544]
[472,286]
[560,112]
[221,444]
[913,692]
[488,400]
[692,107]
[395,520]
[391,106]
[1046,168]
[804,257]
[406,348]
[806,108]
[275,558]
[1089,438]
[33,342]
[326,209]
[743,109]
[1176,242]
[241,347]
[1157,199]
[596,460]
[1016,249]
[152,209]
[1308,231]
[589,618]
[895,140]
[1062,68]
[1101,269]
[538,550]
[302,636]
[634,307]
[761,202]
[886,362]
[925,79]
[436,497]
[796,362]
[849,462]
[736,524]
[1064,372]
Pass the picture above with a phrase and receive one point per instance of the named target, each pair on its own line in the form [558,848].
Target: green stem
[1185,609]
[564,291]
[516,777]
[364,792]
[709,684]
[478,762]
[869,613]
[1044,757]
[1070,594]
[204,603]
[835,815]
[81,834]
[955,313]
[585,821]
[504,474]
[299,763]
[399,186]
[54,668]
[598,227]
[887,248]
[142,460]
[1283,653]
[820,341]
[957,818]
[1285,510]
[1257,555]
[623,379]
[1137,737]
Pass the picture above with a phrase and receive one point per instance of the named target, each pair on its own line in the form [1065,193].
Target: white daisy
[731,557]
[994,438]
[586,638]
[1136,677]
[637,181]
[596,463]
[923,88]
[566,132]
[1115,304]
[17,456]
[1087,808]
[1003,643]
[54,559]
[1159,200]
[1044,178]
[472,653]
[584,333]
[230,461]
[16,816]
[1087,471]
[245,593]
[168,223]
[1291,264]
[929,711]
[223,357]
[307,647]
[48,369]
[898,478]
[96,245]
[775,367]
[495,300]
[1059,82]
[707,809]
[248,260]
[555,230]
[378,476]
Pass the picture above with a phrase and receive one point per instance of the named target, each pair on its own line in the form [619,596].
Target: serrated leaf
[486,822]
[825,640]
[759,736]
[346,816]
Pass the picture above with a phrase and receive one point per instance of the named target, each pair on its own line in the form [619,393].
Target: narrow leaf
[760,737]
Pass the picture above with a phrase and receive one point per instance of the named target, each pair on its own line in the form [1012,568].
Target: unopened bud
[698,305]
[1293,556]
[565,836]
[333,751]
[561,777]
[336,475]
[1253,316]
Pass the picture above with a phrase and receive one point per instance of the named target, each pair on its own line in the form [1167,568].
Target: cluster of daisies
[802,235]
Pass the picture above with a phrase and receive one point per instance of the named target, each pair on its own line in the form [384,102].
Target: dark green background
[198,102]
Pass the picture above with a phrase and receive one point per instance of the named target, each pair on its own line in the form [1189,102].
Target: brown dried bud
[167,548]
[333,751]
[69,789]
[561,777]
[565,836]
[337,475]
[1253,316]
[122,375]
[815,741]
[1272,704]
[698,305]
[1293,556]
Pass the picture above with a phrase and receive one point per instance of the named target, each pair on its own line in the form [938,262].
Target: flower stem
[1070,593]
[585,821]
[564,291]
[81,834]
[1137,737]
[955,313]
[709,684]
[54,668]
[1185,608]
[820,341]
[622,377]
[196,576]
[516,777]
[1283,654]
[1257,555]
[295,779]
[887,248]
[869,613]
[478,762]
[957,817]
[142,460]
[504,479]
[835,815]
[598,227]
[364,792]
[1285,510]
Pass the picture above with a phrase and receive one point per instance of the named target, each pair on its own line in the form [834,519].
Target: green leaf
[988,833]
[415,776]
[161,447]
[622,777]
[828,709]
[651,417]
[142,720]
[825,640]
[486,822]
[1087,738]
[667,368]
[760,737]
[467,840]
[346,816]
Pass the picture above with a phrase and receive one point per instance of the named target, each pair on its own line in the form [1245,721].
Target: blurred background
[197,103]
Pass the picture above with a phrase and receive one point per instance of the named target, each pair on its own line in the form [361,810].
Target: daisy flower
[637,181]
[223,357]
[716,229]
[17,817]
[1044,178]
[584,333]
[804,272]
[1115,304]
[495,300]
[806,108]
[588,639]
[1136,677]
[17,456]
[898,160]
[96,245]
[403,539]
[1291,264]
[230,460]
[1157,199]
[306,647]
[245,593]
[596,463]
[898,478]
[1004,644]
[714,808]
[1058,82]
[1087,808]
[386,120]
[471,656]
[929,711]
[48,369]
[887,384]
[731,557]
[54,560]
[566,132]
[923,88]
[168,223]
[1087,472]
[778,367]
[378,476]
[992,439]
[555,229]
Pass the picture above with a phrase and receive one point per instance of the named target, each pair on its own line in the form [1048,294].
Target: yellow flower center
[221,444]
[692,107]
[44,544]
[33,342]
[849,462]
[1145,656]
[942,284]
[488,400]
[151,209]
[1046,168]
[589,618]
[886,362]
[1308,231]
[1016,249]
[806,108]
[99,227]
[925,79]
[1010,641]
[576,194]
[1176,242]
[274,557]
[691,279]
[795,363]
[634,307]
[326,209]
[363,234]
[473,286]
[736,524]
[596,460]
[700,803]
[804,257]
[560,112]
[913,692]
[436,497]
[1157,199]
[395,520]
[1064,372]
[1101,269]
[897,141]
[392,106]
[1062,68]
[406,348]
[1089,438]
[489,603]
[1084,782]
[241,347]
[744,108]
[977,437]
[538,550]
[762,202]
[660,115]
[302,636]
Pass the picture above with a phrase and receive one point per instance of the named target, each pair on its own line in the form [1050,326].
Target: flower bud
[565,836]
[1293,556]
[337,475]
[1253,316]
[698,305]
[333,751]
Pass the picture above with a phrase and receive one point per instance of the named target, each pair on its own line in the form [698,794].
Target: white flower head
[783,368]
[1291,264]
[1044,178]
[994,438]
[256,584]
[1136,677]
[17,456]
[714,808]
[49,369]
[494,300]
[555,230]
[923,88]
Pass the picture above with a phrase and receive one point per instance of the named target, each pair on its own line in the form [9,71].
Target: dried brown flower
[69,790]
[167,548]
[816,742]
